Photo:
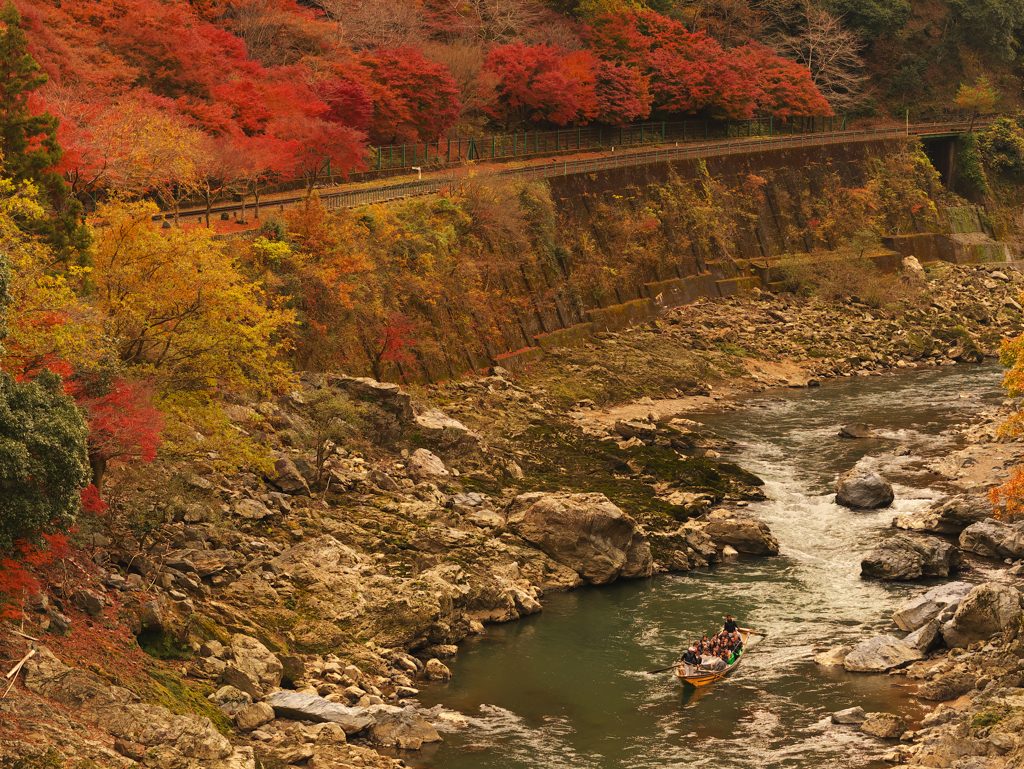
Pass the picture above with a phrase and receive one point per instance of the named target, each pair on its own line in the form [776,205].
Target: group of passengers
[714,654]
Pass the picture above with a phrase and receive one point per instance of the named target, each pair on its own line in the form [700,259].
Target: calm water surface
[567,689]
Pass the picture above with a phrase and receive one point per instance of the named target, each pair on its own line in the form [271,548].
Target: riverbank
[341,585]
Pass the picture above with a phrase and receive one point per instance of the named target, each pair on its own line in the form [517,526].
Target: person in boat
[730,625]
[713,662]
[737,643]
[691,661]
[705,645]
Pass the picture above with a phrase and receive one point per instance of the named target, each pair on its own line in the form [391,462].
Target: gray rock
[854,715]
[437,426]
[950,516]
[886,726]
[856,430]
[585,532]
[879,654]
[256,662]
[322,552]
[926,637]
[908,556]
[436,670]
[994,539]
[920,610]
[988,609]
[90,602]
[309,707]
[833,657]
[153,614]
[863,490]
[385,393]
[287,477]
[406,730]
[741,532]
[947,687]
[426,466]
[252,509]
[230,700]
[253,716]
[383,481]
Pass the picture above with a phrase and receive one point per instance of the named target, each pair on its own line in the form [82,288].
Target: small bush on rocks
[835,276]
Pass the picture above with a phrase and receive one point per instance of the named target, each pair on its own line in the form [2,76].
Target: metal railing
[614,160]
[504,146]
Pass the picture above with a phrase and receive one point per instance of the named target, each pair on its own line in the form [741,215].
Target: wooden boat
[705,677]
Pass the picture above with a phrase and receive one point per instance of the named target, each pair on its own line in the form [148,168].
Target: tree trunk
[99,469]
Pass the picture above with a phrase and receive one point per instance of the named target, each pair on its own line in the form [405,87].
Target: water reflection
[569,687]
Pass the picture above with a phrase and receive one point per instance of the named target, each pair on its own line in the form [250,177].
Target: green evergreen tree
[43,459]
[29,142]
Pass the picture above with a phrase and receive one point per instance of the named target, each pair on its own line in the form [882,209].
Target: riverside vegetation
[344,577]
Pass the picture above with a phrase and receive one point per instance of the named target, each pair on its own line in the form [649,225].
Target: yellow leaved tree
[1008,498]
[48,325]
[185,318]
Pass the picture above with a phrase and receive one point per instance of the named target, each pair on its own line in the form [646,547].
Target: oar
[662,670]
[751,632]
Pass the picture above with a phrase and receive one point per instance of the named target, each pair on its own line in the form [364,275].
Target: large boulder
[947,687]
[256,662]
[404,729]
[994,539]
[921,610]
[443,430]
[887,726]
[387,394]
[301,706]
[987,610]
[585,532]
[950,516]
[426,466]
[879,654]
[832,657]
[911,556]
[743,533]
[863,490]
[926,637]
[286,476]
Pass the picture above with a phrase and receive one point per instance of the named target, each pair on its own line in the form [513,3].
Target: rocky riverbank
[297,610]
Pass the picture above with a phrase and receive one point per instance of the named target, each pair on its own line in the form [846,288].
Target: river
[567,688]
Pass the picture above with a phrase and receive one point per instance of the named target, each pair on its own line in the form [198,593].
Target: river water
[567,688]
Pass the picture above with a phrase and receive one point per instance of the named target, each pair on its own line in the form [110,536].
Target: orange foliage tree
[1008,498]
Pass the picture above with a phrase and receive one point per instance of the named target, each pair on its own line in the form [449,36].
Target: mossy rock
[184,699]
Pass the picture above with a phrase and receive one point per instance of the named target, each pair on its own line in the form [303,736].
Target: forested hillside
[172,97]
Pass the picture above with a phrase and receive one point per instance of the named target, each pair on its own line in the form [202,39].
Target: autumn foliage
[199,100]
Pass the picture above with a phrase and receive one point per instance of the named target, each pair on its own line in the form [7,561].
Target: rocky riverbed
[299,609]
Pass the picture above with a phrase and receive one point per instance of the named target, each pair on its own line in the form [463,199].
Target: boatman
[730,625]
[691,661]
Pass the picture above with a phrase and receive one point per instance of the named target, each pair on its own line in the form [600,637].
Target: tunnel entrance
[941,152]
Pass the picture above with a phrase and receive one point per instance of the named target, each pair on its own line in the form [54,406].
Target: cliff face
[529,268]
